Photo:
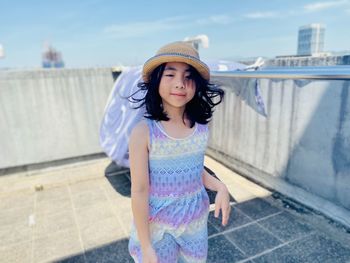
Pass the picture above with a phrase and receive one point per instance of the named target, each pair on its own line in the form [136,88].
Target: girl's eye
[188,77]
[169,75]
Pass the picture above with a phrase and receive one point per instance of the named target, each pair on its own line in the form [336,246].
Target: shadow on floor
[114,252]
[258,231]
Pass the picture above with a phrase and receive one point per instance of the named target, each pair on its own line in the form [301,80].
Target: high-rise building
[311,39]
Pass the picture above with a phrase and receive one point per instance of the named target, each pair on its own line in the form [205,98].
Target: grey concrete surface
[82,216]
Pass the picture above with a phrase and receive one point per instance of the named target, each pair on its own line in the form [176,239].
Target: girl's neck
[176,115]
[173,112]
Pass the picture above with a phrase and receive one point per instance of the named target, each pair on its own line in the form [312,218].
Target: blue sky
[109,33]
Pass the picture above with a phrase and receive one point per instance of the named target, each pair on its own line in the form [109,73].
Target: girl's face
[176,86]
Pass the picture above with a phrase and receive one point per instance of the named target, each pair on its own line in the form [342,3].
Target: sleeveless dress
[178,201]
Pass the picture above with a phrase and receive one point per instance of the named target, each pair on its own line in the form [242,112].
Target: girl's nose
[180,83]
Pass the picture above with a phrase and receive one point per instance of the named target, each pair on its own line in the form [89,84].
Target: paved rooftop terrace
[80,215]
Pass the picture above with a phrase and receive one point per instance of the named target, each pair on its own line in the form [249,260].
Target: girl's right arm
[138,159]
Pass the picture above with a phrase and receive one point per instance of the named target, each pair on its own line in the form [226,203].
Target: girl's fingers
[217,209]
[225,215]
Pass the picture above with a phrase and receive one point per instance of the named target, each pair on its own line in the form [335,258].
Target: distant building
[311,40]
[306,61]
[310,51]
[51,58]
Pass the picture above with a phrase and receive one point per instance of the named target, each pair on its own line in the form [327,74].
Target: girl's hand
[149,255]
[222,201]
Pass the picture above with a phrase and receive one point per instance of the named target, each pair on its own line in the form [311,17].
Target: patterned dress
[178,202]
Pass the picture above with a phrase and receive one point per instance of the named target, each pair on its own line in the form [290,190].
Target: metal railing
[311,73]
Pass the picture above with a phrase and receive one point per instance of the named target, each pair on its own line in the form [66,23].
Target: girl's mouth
[178,94]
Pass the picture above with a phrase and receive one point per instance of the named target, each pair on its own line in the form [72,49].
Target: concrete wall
[301,149]
[48,115]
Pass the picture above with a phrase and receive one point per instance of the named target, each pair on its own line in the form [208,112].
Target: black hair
[199,109]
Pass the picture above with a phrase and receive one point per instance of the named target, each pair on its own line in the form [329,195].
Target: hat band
[175,55]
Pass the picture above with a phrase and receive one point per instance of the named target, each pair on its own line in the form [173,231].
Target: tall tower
[311,39]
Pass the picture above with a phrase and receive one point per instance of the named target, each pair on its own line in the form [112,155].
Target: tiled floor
[83,216]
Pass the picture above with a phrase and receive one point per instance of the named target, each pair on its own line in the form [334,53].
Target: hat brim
[157,60]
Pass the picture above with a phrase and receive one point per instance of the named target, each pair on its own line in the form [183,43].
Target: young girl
[166,152]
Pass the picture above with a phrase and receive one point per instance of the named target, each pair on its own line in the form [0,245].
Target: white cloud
[261,15]
[139,29]
[317,6]
[216,19]
[312,7]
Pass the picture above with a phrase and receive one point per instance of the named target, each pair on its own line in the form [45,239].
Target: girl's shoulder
[141,126]
[140,132]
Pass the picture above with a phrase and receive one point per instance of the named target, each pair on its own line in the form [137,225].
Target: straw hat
[176,52]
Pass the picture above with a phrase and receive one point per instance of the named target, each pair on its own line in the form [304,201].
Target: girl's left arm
[222,199]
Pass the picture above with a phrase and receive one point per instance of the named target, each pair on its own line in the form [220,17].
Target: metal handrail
[312,73]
